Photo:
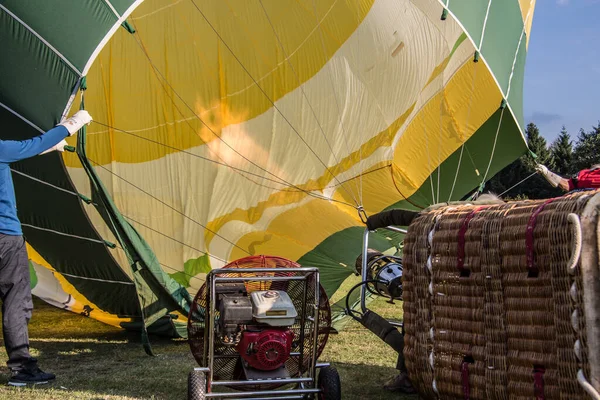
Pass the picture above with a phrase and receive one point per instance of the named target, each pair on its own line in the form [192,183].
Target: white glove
[77,121]
[60,146]
[549,175]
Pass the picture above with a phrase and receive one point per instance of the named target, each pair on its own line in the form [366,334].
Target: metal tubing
[262,393]
[230,356]
[299,397]
[363,288]
[393,228]
[226,356]
[322,365]
[211,330]
[261,278]
[261,382]
[206,332]
[221,271]
[313,372]
[302,324]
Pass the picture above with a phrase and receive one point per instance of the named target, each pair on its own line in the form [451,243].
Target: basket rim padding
[590,270]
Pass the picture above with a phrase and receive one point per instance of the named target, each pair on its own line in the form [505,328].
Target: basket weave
[489,302]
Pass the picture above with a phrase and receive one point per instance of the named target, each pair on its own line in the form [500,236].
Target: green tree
[536,187]
[587,149]
[537,144]
[561,151]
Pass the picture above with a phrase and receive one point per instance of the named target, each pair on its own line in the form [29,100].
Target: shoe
[400,383]
[30,374]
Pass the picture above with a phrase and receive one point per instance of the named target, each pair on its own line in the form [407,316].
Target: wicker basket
[491,308]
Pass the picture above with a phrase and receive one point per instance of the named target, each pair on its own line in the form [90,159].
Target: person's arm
[58,147]
[554,179]
[16,150]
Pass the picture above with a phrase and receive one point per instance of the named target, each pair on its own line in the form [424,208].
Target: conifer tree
[562,154]
[587,149]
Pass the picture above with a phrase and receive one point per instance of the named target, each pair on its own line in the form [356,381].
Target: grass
[95,361]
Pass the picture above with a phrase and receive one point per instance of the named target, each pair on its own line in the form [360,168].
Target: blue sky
[562,72]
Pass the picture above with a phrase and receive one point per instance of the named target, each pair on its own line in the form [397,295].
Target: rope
[198,156]
[398,190]
[157,72]
[181,272]
[140,44]
[268,98]
[44,182]
[103,242]
[493,147]
[514,186]
[39,228]
[162,265]
[240,170]
[300,86]
[505,99]
[361,161]
[165,265]
[487,14]
[94,279]
[167,205]
[173,239]
[439,162]
[335,98]
[462,148]
[472,161]
[428,156]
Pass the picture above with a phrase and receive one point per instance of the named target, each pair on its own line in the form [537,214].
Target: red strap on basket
[460,262]
[529,235]
[538,382]
[464,369]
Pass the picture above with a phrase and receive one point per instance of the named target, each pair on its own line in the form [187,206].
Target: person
[584,179]
[15,289]
[400,382]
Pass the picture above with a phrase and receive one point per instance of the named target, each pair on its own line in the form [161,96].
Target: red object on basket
[529,238]
[464,370]
[460,260]
[538,382]
[585,179]
[266,350]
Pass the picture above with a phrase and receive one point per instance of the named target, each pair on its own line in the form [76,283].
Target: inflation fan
[257,328]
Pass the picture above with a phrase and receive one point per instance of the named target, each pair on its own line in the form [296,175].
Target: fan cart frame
[305,385]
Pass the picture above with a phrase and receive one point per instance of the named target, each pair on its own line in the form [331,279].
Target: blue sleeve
[16,150]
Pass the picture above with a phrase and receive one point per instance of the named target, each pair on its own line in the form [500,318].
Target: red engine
[266,350]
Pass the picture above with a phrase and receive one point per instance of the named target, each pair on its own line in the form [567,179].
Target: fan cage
[227,361]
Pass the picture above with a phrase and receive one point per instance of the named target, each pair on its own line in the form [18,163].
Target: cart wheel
[329,383]
[196,385]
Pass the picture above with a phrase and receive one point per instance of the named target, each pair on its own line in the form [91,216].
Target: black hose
[348,310]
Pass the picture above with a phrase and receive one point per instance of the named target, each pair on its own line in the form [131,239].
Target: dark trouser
[400,364]
[15,291]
